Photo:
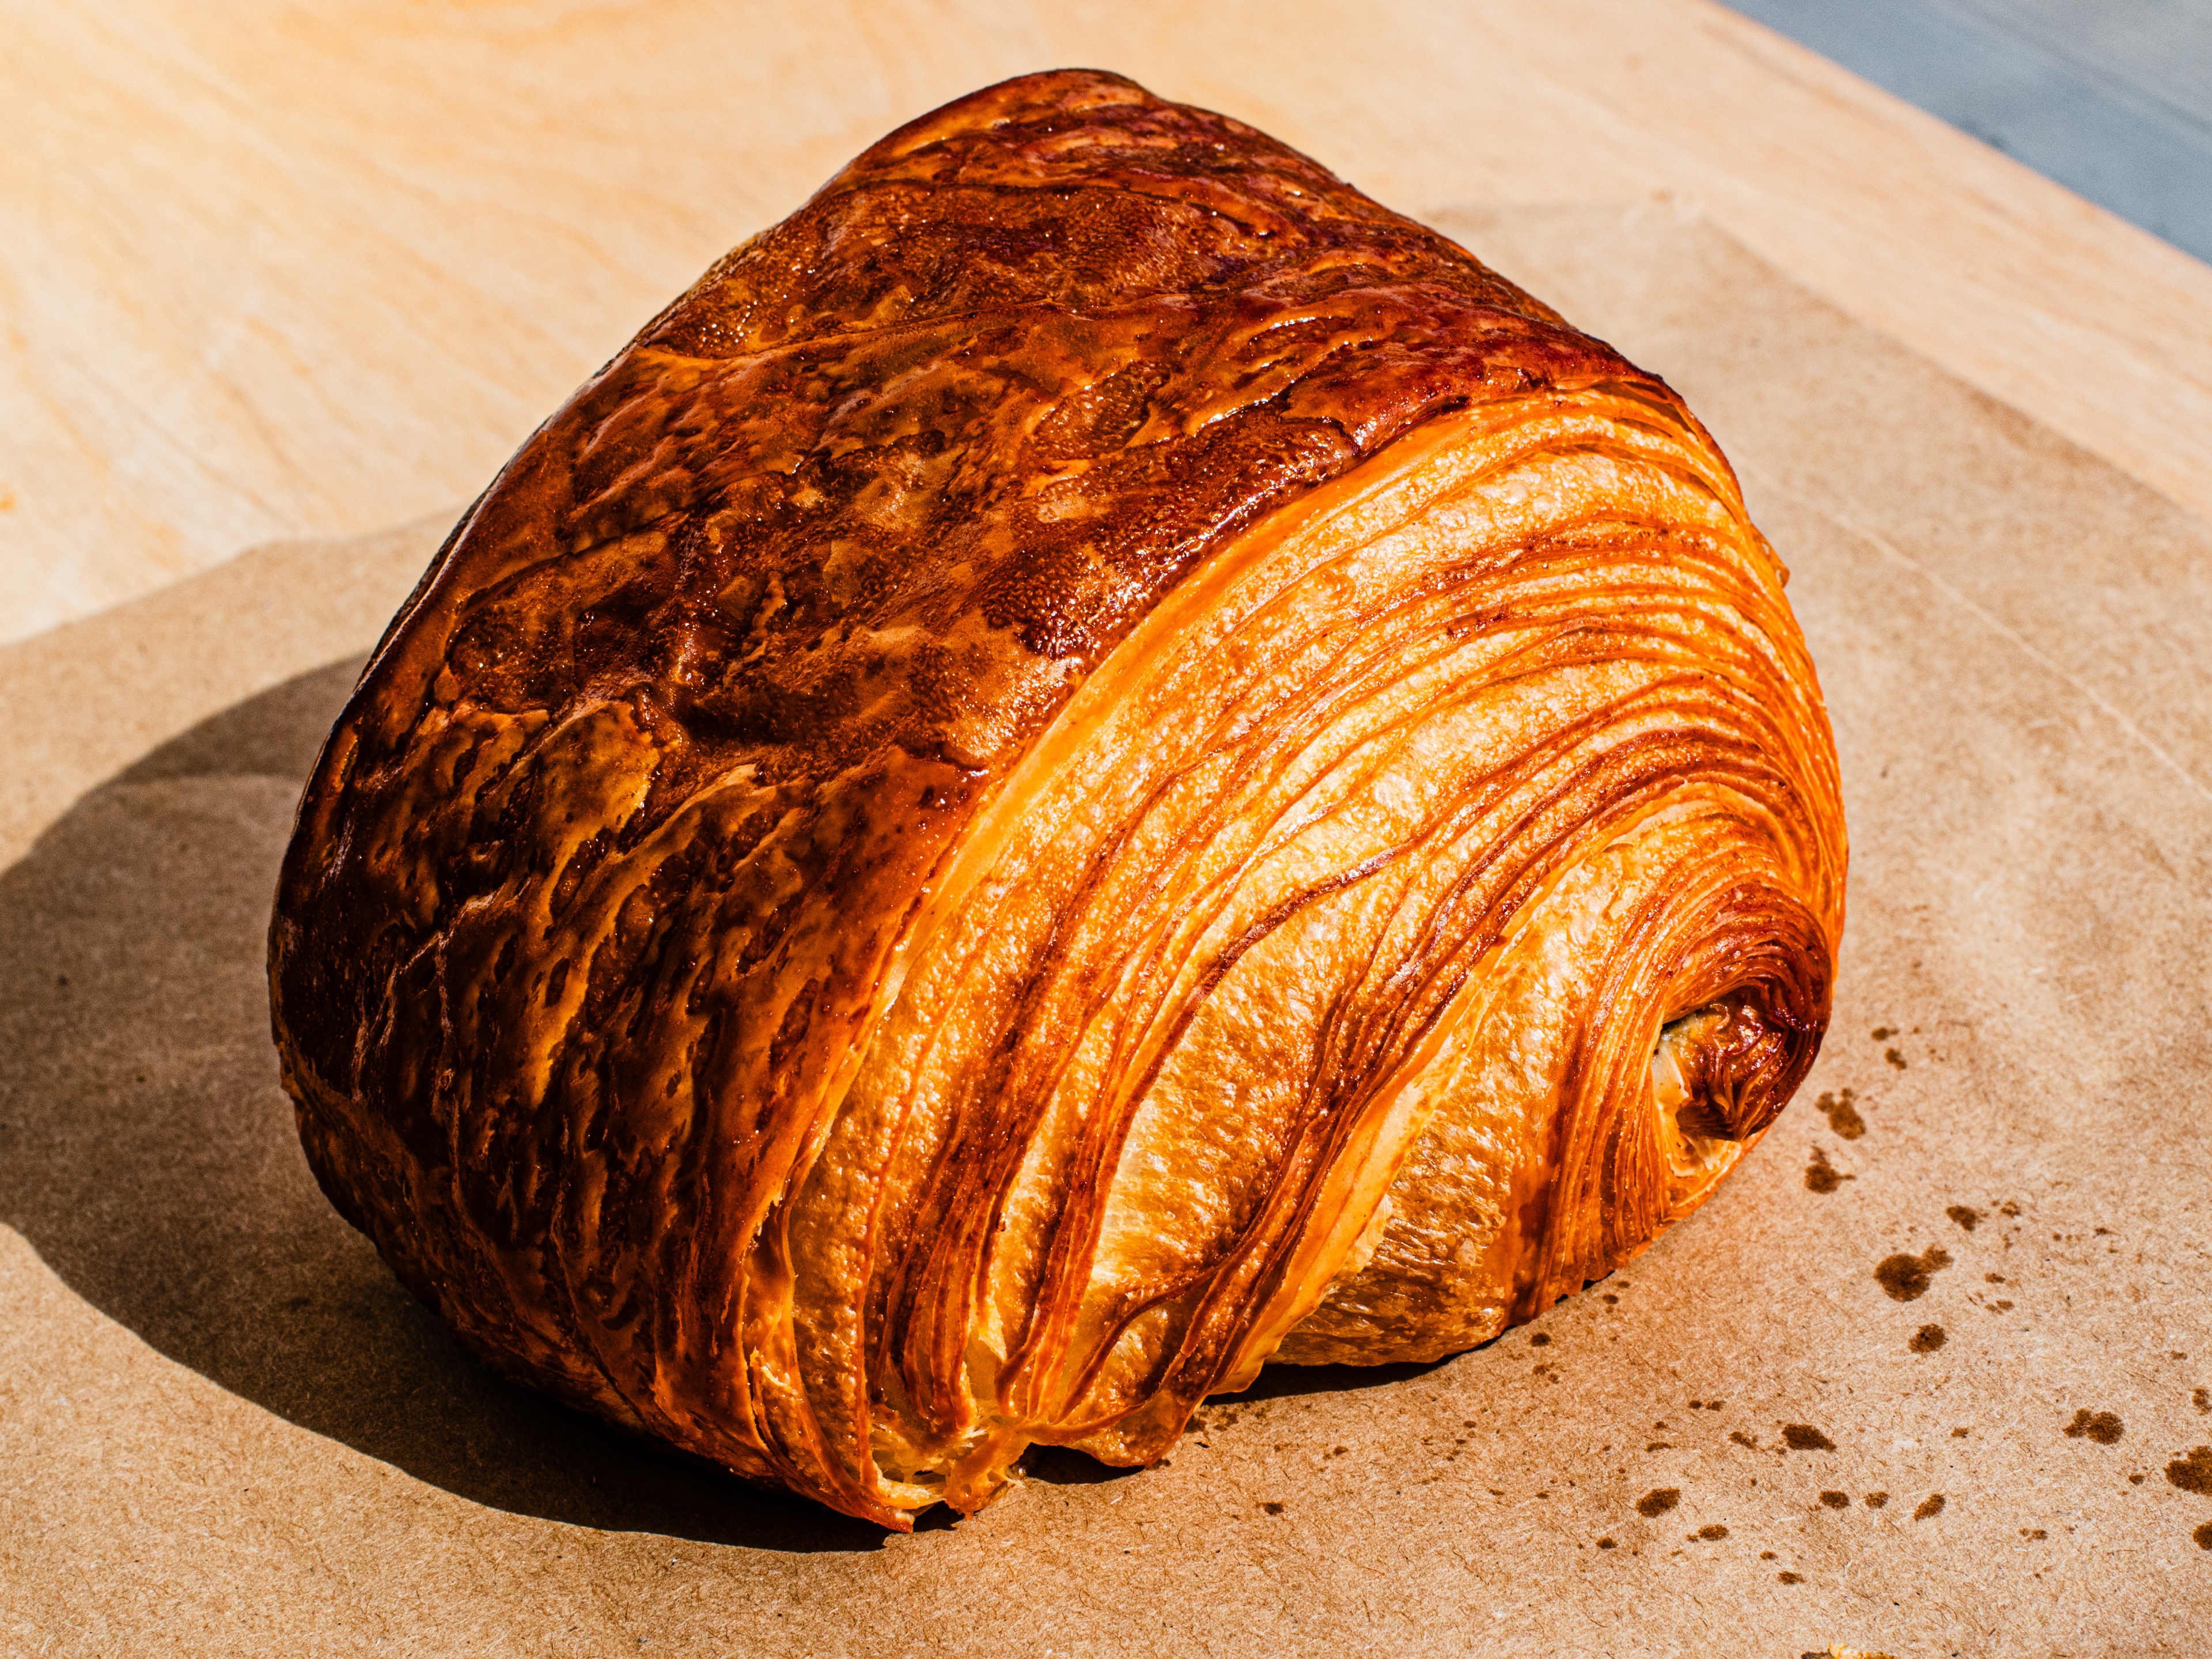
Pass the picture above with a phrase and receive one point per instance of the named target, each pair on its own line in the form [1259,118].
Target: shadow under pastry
[149,1153]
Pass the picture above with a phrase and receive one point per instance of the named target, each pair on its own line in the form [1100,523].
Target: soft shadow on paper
[148,1154]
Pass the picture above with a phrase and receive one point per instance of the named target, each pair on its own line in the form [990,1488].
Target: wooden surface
[269,271]
[2110,98]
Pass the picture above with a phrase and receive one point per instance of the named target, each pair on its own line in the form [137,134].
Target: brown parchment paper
[225,1430]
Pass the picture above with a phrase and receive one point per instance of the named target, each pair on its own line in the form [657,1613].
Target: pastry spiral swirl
[1094,762]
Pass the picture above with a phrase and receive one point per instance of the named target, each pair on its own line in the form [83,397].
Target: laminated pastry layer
[923,866]
[1307,978]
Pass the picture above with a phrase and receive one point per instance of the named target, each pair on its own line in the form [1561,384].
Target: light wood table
[268,272]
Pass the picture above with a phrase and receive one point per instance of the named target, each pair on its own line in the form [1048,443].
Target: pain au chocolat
[1094,762]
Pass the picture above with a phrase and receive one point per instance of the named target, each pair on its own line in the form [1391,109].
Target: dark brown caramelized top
[1021,363]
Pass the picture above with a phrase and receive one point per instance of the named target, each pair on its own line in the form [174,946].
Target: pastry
[1095,762]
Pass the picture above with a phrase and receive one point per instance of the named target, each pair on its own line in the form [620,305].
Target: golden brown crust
[695,740]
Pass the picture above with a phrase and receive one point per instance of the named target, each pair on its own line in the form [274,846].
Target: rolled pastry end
[1417,914]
